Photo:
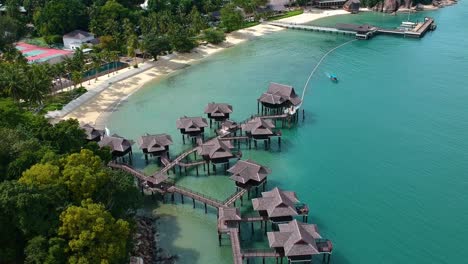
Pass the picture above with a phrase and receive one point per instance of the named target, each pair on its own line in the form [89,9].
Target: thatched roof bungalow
[247,173]
[216,151]
[259,128]
[298,241]
[119,146]
[92,134]
[228,217]
[279,206]
[155,144]
[218,111]
[279,96]
[192,126]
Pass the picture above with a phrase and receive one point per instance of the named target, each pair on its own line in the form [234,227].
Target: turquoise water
[381,159]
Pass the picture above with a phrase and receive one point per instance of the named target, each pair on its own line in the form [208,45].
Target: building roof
[297,239]
[229,124]
[276,203]
[191,124]
[278,94]
[246,170]
[218,110]
[259,126]
[216,149]
[78,34]
[153,143]
[91,132]
[228,216]
[116,143]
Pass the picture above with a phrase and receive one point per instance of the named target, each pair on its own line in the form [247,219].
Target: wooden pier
[364,31]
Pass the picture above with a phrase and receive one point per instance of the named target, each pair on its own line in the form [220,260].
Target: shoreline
[97,109]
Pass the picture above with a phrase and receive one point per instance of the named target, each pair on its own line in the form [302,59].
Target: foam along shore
[106,94]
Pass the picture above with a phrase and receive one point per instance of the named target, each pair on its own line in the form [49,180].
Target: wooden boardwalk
[235,244]
[260,253]
[234,197]
[196,196]
[312,28]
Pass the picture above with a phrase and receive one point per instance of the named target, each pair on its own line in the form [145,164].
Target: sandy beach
[96,110]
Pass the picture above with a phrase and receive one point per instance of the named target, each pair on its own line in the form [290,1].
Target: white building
[76,38]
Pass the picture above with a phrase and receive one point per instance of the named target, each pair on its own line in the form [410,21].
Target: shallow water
[381,158]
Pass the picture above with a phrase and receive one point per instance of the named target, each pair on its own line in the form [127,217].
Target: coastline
[96,110]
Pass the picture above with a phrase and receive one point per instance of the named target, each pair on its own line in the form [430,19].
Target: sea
[381,157]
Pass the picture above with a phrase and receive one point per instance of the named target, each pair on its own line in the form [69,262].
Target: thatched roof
[116,143]
[91,132]
[216,149]
[246,170]
[191,124]
[259,126]
[218,110]
[297,239]
[229,124]
[228,216]
[153,143]
[276,203]
[278,94]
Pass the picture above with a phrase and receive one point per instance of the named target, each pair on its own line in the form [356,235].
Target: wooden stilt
[206,209]
[193,201]
[182,198]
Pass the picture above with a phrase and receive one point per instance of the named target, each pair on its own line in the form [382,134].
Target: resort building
[119,146]
[227,127]
[329,3]
[299,242]
[259,128]
[77,38]
[191,126]
[279,97]
[218,112]
[216,151]
[92,134]
[279,206]
[228,218]
[155,145]
[247,174]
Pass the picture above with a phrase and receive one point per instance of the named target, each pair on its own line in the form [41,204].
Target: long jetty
[364,31]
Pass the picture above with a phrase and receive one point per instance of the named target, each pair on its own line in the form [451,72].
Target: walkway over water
[364,31]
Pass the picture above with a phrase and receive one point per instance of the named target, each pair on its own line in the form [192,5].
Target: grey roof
[277,203]
[91,132]
[216,109]
[116,143]
[229,124]
[228,216]
[216,149]
[259,126]
[245,170]
[279,93]
[297,239]
[191,124]
[78,34]
[154,143]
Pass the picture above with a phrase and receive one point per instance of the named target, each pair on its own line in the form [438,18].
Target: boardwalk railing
[231,199]
[235,244]
[262,253]
[196,195]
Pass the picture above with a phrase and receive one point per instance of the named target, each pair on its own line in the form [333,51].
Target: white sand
[96,110]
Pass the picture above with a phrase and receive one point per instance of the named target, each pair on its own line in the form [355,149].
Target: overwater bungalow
[261,129]
[218,112]
[155,145]
[92,134]
[280,206]
[119,146]
[191,126]
[216,151]
[277,98]
[228,217]
[299,242]
[247,174]
[228,126]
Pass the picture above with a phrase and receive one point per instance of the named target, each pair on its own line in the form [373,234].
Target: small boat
[333,78]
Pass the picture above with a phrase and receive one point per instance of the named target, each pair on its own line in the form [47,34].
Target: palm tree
[38,84]
[132,45]
[13,80]
[96,58]
[77,77]
[115,59]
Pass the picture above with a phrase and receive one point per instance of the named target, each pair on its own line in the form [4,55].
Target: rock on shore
[146,245]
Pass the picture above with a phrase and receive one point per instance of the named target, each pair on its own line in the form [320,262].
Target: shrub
[214,36]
